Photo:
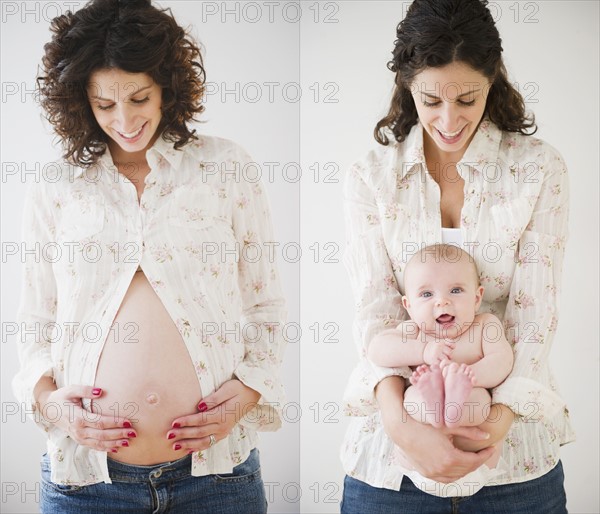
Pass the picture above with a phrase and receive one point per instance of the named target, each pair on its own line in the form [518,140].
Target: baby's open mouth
[445,318]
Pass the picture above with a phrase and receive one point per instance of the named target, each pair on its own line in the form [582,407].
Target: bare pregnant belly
[146,375]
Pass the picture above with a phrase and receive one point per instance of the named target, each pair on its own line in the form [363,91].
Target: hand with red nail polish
[217,414]
[73,403]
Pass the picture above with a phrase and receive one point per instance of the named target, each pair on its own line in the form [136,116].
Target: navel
[152,398]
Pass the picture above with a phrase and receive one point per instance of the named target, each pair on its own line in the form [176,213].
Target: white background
[337,51]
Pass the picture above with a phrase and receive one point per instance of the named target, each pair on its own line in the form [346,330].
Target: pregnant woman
[151,343]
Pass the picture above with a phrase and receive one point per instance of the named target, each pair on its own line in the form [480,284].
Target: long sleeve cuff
[23,385]
[528,398]
[267,414]
[359,396]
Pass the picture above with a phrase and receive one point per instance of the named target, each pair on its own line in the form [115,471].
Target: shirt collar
[483,148]
[161,149]
[164,149]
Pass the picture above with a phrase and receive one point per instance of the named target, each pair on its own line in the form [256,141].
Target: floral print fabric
[201,234]
[514,224]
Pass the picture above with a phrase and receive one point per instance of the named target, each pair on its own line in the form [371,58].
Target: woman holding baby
[457,164]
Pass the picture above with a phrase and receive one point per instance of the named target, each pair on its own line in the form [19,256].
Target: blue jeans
[543,495]
[167,487]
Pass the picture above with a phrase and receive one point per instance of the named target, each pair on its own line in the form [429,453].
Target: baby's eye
[426,294]
[455,290]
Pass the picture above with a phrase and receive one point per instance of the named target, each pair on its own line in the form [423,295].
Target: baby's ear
[479,296]
[405,303]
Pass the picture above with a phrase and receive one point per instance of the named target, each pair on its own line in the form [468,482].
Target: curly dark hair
[133,36]
[435,33]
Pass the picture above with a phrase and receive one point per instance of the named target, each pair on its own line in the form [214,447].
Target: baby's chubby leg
[424,401]
[465,405]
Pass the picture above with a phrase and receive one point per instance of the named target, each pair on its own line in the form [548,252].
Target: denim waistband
[166,471]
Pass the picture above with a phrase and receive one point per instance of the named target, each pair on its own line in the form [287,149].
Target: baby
[458,353]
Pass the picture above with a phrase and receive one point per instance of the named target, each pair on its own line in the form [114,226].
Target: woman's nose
[125,117]
[449,116]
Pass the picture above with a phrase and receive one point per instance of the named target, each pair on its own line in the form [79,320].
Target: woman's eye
[461,102]
[104,107]
[143,100]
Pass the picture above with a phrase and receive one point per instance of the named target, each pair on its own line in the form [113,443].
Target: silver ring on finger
[213,440]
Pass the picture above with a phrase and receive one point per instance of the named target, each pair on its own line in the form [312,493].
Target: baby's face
[443,296]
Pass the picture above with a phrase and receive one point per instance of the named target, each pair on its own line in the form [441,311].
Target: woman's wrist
[42,390]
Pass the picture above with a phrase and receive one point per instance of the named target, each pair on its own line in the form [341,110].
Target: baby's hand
[438,350]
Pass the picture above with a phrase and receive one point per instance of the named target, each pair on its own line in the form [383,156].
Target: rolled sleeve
[378,300]
[36,314]
[264,307]
[531,315]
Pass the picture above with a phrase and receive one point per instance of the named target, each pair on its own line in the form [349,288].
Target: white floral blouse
[202,235]
[514,223]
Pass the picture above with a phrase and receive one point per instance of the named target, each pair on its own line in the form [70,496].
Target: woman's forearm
[390,397]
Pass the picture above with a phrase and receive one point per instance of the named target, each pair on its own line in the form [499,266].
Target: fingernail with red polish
[202,407]
[124,443]
[96,391]
[114,450]
[126,424]
[171,436]
[177,447]
[131,434]
[176,425]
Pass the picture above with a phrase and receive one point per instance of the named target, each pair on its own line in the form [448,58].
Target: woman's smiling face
[450,102]
[127,108]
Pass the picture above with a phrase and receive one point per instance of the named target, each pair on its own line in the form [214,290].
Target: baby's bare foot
[430,384]
[458,384]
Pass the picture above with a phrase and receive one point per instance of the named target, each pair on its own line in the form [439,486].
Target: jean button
[157,473]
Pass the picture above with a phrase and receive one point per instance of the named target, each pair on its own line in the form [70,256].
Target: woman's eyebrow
[459,96]
[130,94]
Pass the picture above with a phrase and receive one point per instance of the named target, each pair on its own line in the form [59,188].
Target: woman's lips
[138,134]
[452,139]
